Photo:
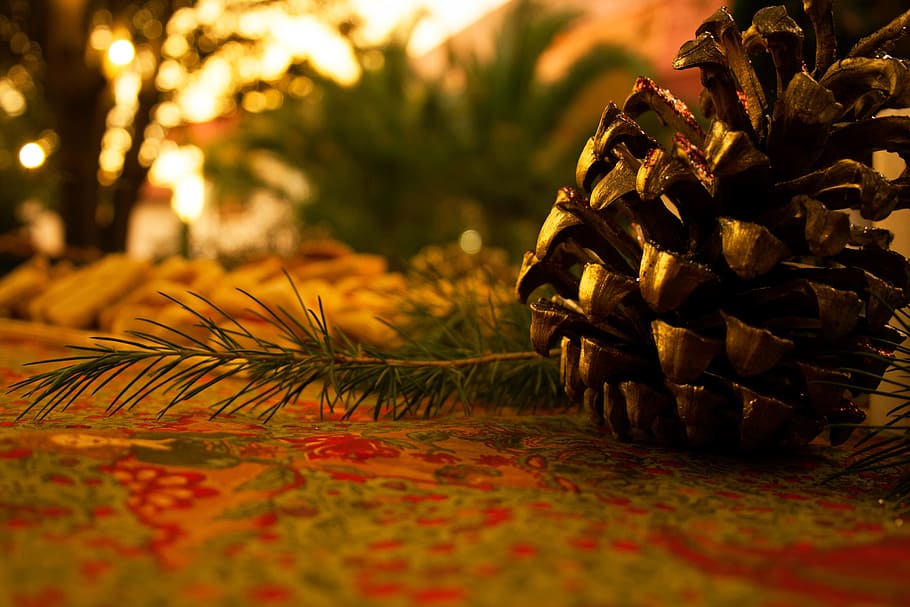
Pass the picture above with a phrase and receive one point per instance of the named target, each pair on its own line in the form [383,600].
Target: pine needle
[444,362]
[886,446]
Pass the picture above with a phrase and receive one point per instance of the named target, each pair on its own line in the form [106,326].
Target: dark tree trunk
[80,140]
[76,94]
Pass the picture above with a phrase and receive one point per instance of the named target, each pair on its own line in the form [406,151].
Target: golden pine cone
[715,294]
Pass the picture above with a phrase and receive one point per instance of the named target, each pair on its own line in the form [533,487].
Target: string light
[121,52]
[171,75]
[12,101]
[188,200]
[174,163]
[32,155]
[101,37]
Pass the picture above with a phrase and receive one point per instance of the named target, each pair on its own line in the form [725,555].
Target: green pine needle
[886,447]
[457,360]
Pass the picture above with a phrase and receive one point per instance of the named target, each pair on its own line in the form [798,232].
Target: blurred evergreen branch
[397,161]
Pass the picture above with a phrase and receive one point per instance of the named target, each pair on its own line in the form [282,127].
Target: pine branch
[460,361]
[886,447]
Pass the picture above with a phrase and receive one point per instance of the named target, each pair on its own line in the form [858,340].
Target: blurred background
[236,128]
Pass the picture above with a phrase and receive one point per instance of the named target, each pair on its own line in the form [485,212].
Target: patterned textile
[542,510]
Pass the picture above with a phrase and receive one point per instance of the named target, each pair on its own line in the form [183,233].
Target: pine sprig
[459,359]
[886,446]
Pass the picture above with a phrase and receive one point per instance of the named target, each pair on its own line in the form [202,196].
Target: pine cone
[715,294]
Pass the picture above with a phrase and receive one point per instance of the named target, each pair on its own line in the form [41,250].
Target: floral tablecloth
[483,510]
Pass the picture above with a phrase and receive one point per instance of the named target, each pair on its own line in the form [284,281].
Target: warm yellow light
[337,60]
[188,200]
[110,160]
[167,114]
[49,140]
[208,11]
[107,178]
[175,46]
[278,37]
[471,242]
[217,74]
[146,61]
[247,68]
[100,37]
[299,35]
[254,23]
[443,18]
[328,52]
[126,88]
[19,77]
[273,99]
[171,75]
[300,86]
[254,101]
[121,115]
[149,151]
[174,163]
[121,52]
[224,26]
[154,131]
[275,62]
[199,103]
[32,155]
[117,138]
[182,21]
[11,100]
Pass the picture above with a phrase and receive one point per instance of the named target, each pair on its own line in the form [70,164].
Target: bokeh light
[32,155]
[174,163]
[121,52]
[188,200]
[12,101]
[101,37]
[441,19]
[471,242]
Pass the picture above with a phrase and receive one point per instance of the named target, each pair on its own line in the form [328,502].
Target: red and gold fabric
[130,509]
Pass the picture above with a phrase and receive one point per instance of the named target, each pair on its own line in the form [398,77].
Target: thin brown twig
[457,362]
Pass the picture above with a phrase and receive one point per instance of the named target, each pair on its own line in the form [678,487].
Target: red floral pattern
[343,446]
[154,489]
[542,510]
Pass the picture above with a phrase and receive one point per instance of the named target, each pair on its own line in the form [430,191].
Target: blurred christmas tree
[98,84]
[22,113]
[86,70]
[396,160]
